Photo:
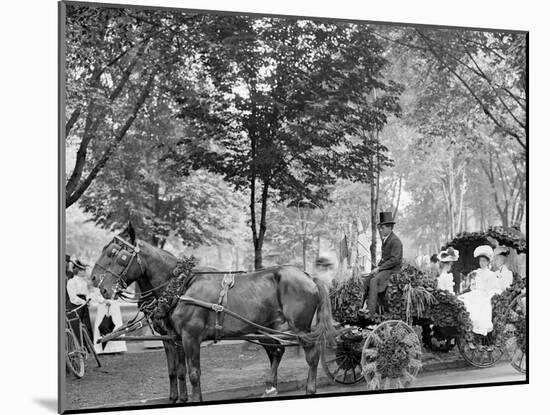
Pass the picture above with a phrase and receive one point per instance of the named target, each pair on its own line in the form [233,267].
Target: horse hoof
[183,400]
[173,400]
[270,393]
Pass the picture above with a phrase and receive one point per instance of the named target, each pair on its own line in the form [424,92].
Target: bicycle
[77,348]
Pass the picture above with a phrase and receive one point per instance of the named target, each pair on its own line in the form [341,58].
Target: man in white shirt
[504,276]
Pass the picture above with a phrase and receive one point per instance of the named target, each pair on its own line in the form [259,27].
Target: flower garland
[346,299]
[507,237]
[391,356]
[503,316]
[448,311]
[159,308]
[409,294]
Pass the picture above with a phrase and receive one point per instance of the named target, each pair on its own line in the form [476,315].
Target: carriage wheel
[481,352]
[391,356]
[515,334]
[75,358]
[90,346]
[342,360]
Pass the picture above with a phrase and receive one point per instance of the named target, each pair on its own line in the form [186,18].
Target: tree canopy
[200,125]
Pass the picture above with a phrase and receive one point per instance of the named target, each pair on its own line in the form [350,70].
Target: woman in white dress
[483,287]
[107,308]
[78,297]
[445,281]
[504,276]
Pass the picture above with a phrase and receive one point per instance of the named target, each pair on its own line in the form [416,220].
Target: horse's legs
[312,359]
[191,347]
[171,359]
[182,368]
[275,353]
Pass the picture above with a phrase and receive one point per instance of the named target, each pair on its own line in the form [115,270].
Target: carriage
[386,355]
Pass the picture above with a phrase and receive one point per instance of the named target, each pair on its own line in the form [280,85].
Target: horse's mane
[167,254]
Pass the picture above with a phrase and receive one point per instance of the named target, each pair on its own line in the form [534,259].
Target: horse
[279,298]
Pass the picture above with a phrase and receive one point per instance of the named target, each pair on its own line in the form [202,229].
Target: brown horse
[280,298]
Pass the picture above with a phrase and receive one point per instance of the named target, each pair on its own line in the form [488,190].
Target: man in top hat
[390,263]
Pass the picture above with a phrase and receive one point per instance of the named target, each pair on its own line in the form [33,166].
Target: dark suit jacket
[392,254]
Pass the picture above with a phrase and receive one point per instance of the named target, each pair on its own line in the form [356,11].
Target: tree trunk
[259,241]
[304,252]
[374,186]
[74,196]
[94,118]
[318,246]
[396,210]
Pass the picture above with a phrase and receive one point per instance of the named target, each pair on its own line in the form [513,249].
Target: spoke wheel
[74,355]
[342,360]
[515,334]
[481,352]
[391,357]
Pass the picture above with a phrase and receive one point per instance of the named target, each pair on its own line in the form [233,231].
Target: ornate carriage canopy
[467,242]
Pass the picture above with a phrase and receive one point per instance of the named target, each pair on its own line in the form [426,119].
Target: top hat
[67,258]
[386,218]
[80,265]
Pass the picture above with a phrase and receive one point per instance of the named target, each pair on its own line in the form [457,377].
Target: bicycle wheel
[75,358]
[90,346]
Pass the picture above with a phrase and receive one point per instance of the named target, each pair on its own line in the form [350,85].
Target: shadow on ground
[48,403]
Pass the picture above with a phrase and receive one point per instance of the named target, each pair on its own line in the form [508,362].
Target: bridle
[118,254]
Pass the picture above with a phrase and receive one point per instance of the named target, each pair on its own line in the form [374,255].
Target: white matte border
[29,208]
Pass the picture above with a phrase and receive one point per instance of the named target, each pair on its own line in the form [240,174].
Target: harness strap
[218,308]
[227,283]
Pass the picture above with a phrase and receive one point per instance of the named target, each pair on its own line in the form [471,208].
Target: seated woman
[504,276]
[446,258]
[485,284]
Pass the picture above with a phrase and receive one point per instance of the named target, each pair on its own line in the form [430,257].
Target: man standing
[390,263]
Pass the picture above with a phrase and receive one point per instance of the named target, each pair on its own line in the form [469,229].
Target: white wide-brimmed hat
[484,250]
[448,255]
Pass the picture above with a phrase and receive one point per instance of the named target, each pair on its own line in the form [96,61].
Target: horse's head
[119,264]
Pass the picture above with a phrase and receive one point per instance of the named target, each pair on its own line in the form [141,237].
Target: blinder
[112,250]
[122,258]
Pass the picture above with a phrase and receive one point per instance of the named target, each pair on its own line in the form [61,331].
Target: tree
[116,61]
[490,67]
[282,106]
[452,126]
[505,170]
[141,184]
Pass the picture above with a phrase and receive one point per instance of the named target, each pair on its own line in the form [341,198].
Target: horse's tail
[324,331]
